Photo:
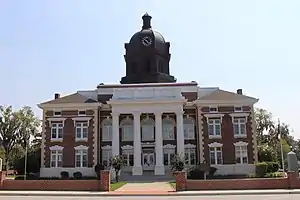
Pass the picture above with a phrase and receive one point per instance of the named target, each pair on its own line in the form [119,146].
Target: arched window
[147,129]
[189,128]
[127,129]
[168,129]
[106,130]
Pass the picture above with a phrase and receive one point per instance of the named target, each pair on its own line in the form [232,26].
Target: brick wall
[57,185]
[289,182]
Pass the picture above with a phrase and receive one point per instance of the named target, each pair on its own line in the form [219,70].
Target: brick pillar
[2,178]
[294,181]
[105,180]
[181,181]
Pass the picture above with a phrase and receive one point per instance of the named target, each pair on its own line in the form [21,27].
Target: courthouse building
[149,117]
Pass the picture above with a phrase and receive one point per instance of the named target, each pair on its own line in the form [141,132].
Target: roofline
[226,102]
[193,83]
[69,105]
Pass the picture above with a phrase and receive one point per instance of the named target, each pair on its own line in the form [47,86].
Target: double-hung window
[214,127]
[56,158]
[190,156]
[241,154]
[239,126]
[57,130]
[81,130]
[81,158]
[216,156]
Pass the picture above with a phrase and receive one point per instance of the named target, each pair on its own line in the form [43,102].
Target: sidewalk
[152,193]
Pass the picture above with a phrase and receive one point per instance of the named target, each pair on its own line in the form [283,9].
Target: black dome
[158,40]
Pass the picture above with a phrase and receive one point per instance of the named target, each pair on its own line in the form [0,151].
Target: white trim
[238,111]
[145,101]
[215,144]
[169,146]
[148,144]
[217,110]
[240,143]
[57,119]
[54,111]
[127,147]
[80,110]
[81,147]
[239,114]
[147,118]
[69,106]
[56,148]
[214,115]
[107,147]
[246,102]
[190,146]
[75,119]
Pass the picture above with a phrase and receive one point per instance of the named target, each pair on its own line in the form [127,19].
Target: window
[169,154]
[81,112]
[216,157]
[106,156]
[190,156]
[56,158]
[128,158]
[239,126]
[57,130]
[148,130]
[127,130]
[81,130]
[188,129]
[57,113]
[241,154]
[106,130]
[81,158]
[238,109]
[214,127]
[168,129]
[213,109]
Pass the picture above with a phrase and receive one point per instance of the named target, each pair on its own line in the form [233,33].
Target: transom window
[189,128]
[169,154]
[81,112]
[57,113]
[127,129]
[106,130]
[81,130]
[239,126]
[81,158]
[241,154]
[214,127]
[148,130]
[213,109]
[56,158]
[57,130]
[190,156]
[168,129]
[216,156]
[238,109]
[106,156]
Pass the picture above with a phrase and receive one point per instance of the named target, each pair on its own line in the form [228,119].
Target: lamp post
[281,146]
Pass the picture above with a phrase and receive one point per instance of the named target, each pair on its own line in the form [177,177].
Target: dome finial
[146,21]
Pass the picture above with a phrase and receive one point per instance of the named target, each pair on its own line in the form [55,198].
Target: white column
[115,134]
[137,168]
[180,134]
[159,167]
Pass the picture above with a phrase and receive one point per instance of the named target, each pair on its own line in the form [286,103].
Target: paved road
[248,197]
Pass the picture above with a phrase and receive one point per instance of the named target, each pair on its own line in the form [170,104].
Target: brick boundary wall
[57,185]
[289,182]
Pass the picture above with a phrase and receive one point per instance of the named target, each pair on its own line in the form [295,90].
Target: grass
[114,186]
[173,184]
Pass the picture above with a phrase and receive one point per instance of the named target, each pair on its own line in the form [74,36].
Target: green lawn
[114,186]
[173,184]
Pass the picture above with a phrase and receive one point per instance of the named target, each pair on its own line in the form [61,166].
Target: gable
[222,95]
[72,98]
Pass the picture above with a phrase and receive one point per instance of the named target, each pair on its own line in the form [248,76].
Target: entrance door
[148,161]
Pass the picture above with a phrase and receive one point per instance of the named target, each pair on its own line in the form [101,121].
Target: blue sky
[63,46]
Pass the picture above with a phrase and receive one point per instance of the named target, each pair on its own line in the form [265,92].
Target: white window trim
[57,120]
[188,150]
[245,116]
[122,129]
[76,119]
[215,144]
[107,147]
[238,110]
[169,146]
[241,144]
[108,119]
[54,111]
[215,136]
[81,114]
[81,138]
[217,110]
[189,146]
[214,115]
[216,154]
[81,147]
[51,119]
[56,148]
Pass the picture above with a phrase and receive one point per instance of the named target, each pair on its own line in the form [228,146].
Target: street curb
[158,194]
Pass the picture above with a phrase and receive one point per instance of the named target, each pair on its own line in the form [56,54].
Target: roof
[219,95]
[193,83]
[72,98]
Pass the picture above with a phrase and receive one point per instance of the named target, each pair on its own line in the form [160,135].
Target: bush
[98,168]
[77,175]
[30,176]
[177,163]
[212,171]
[274,175]
[64,175]
[196,173]
[272,167]
[261,169]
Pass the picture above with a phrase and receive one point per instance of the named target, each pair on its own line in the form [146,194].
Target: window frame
[82,126]
[240,151]
[189,152]
[215,151]
[58,163]
[237,122]
[57,126]
[189,128]
[214,125]
[81,153]
[57,113]
[168,128]
[213,109]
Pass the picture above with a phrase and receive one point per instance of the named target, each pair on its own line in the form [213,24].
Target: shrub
[261,169]
[212,171]
[272,167]
[177,163]
[64,175]
[98,168]
[274,175]
[196,173]
[77,175]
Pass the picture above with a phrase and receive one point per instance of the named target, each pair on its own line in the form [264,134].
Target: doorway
[148,161]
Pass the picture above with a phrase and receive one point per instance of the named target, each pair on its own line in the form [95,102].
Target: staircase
[148,176]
